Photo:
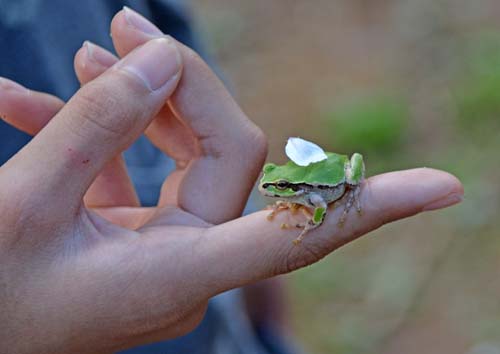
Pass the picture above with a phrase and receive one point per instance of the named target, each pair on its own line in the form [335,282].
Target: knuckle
[252,142]
[254,147]
[259,141]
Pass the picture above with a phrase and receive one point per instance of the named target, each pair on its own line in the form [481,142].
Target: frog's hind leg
[306,227]
[349,201]
[357,192]
[355,173]
[351,198]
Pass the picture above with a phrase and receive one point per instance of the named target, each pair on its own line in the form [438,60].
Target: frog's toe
[294,207]
[277,208]
[306,227]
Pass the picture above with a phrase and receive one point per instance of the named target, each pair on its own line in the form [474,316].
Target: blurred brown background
[407,83]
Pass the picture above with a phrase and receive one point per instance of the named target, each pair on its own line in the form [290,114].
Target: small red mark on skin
[76,158]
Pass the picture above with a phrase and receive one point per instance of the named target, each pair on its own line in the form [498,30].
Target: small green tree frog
[314,185]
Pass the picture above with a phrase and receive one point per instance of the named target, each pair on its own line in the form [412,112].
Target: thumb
[100,120]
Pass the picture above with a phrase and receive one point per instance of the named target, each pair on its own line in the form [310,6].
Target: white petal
[303,152]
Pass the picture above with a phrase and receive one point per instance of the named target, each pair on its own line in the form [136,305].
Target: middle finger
[216,183]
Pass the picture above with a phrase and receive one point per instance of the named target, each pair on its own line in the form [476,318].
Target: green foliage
[477,95]
[478,100]
[369,124]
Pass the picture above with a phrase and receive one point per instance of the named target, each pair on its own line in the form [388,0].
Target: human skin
[84,268]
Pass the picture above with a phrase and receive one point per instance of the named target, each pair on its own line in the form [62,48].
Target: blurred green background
[407,83]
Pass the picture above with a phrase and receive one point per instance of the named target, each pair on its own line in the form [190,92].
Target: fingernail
[156,62]
[140,23]
[9,85]
[447,201]
[99,55]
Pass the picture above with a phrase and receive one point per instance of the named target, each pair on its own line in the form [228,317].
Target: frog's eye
[282,185]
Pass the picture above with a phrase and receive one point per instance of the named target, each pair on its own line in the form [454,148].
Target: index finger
[253,248]
[231,149]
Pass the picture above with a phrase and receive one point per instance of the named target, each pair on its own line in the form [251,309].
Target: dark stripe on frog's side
[328,193]
[300,186]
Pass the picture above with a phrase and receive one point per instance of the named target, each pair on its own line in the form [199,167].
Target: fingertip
[80,63]
[139,22]
[438,179]
[24,109]
[122,43]
[117,24]
[100,55]
[452,190]
[429,178]
[129,30]
[91,61]
[7,85]
[394,195]
[455,184]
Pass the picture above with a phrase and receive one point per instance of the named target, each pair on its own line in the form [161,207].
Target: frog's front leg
[304,211]
[316,219]
[281,205]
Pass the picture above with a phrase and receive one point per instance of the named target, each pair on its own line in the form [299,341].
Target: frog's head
[278,182]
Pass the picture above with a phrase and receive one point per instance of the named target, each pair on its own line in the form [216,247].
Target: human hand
[81,279]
